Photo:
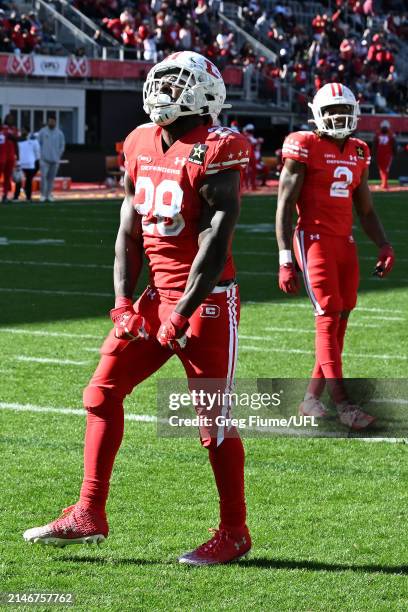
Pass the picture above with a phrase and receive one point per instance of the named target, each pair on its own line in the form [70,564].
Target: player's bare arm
[126,270]
[128,246]
[372,226]
[220,194]
[290,185]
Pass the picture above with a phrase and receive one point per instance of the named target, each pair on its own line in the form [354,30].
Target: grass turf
[327,516]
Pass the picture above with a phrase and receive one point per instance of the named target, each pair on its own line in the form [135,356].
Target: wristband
[285,257]
[123,302]
[179,321]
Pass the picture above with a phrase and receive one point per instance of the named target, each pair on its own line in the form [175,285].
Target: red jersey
[325,202]
[10,135]
[167,193]
[384,145]
[2,144]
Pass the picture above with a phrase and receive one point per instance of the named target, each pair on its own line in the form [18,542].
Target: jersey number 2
[170,221]
[340,189]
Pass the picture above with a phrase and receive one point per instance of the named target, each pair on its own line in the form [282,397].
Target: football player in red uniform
[384,149]
[325,173]
[182,186]
[8,153]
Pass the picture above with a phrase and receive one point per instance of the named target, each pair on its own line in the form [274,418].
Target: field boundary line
[148,418]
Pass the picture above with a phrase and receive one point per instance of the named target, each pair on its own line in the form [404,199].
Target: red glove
[128,324]
[288,278]
[172,333]
[385,261]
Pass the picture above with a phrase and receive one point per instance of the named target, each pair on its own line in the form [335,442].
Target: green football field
[328,517]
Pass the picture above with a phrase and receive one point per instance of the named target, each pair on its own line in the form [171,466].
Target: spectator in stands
[28,161]
[52,143]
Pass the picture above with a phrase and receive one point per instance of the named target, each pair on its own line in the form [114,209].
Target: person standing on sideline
[52,143]
[29,160]
[10,135]
[384,148]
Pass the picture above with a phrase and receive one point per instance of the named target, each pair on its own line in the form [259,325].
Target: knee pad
[99,400]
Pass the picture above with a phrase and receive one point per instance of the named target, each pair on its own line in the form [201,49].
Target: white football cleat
[314,407]
[353,417]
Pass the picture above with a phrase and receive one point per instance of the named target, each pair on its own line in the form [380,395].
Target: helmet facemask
[337,118]
[162,108]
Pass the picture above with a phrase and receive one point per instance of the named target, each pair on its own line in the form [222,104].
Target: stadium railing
[68,34]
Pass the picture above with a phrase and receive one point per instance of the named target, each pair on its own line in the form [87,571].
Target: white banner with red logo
[47,66]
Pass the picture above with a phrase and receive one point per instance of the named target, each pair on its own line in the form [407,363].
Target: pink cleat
[76,525]
[353,417]
[312,406]
[223,547]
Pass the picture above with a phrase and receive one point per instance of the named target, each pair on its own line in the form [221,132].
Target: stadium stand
[80,58]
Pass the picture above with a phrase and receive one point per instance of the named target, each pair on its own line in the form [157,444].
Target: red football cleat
[223,547]
[76,525]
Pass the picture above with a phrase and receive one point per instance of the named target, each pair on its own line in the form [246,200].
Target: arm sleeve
[296,146]
[230,153]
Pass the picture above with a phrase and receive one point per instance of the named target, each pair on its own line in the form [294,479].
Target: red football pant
[384,164]
[331,275]
[8,166]
[210,353]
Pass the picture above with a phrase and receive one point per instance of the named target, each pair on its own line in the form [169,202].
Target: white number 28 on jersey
[340,189]
[154,204]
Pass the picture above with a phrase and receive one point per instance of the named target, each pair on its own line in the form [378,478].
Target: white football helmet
[203,90]
[340,125]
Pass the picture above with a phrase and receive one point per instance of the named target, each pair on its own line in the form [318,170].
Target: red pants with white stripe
[330,270]
[210,352]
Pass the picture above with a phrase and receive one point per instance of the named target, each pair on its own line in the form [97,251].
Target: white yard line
[54,264]
[42,242]
[37,332]
[59,229]
[143,418]
[300,330]
[307,305]
[275,255]
[54,292]
[254,273]
[270,349]
[147,418]
[27,359]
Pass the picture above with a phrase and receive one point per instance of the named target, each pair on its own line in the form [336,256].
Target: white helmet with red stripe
[199,82]
[336,125]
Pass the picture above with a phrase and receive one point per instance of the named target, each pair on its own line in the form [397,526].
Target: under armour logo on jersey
[314,236]
[180,160]
[211,311]
[197,154]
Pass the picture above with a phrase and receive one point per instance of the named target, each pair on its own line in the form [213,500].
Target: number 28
[170,221]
